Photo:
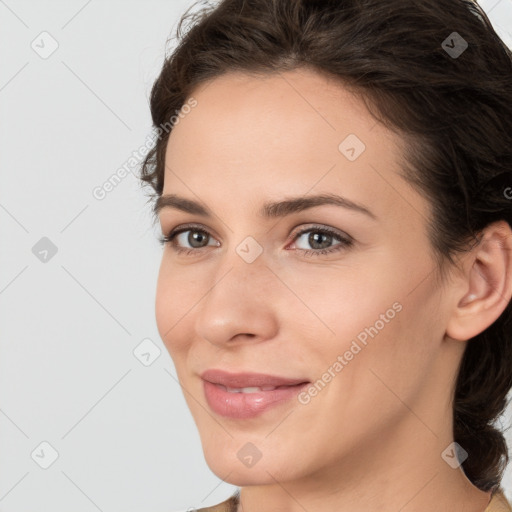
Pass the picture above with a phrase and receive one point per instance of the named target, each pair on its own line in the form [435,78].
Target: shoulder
[499,503]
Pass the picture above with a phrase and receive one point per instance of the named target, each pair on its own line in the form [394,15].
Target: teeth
[249,390]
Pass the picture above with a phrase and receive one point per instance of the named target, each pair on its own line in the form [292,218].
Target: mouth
[247,395]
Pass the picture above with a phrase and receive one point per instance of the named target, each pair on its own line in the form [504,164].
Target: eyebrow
[269,210]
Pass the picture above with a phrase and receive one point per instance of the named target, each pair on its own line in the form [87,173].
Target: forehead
[246,116]
[284,133]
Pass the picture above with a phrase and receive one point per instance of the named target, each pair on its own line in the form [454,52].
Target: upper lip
[247,379]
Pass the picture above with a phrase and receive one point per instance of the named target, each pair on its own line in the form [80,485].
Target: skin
[372,439]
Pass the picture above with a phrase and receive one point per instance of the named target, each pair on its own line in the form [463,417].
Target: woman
[335,287]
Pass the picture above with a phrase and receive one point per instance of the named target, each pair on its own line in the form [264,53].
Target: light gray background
[123,433]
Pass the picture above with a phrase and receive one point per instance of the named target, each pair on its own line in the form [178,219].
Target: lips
[247,395]
[248,380]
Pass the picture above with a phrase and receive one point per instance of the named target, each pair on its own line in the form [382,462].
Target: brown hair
[453,113]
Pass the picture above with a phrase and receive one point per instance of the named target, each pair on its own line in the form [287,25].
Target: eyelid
[185,227]
[304,228]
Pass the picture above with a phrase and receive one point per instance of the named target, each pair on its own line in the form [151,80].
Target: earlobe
[487,284]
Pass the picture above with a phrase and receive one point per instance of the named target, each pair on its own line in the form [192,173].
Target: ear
[486,283]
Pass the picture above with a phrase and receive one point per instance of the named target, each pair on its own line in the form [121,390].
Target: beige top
[498,503]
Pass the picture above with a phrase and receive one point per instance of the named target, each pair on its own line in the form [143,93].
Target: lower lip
[247,405]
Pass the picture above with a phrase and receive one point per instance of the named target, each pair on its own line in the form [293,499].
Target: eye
[323,237]
[197,237]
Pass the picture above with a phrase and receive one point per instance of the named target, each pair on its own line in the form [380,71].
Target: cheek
[173,303]
[373,313]
[340,302]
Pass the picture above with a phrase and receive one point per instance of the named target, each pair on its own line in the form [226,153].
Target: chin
[234,474]
[229,465]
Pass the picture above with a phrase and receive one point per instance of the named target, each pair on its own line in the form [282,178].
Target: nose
[242,304]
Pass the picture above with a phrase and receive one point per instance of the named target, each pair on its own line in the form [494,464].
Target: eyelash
[345,242]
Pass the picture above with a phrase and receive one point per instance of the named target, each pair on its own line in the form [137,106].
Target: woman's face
[364,324]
